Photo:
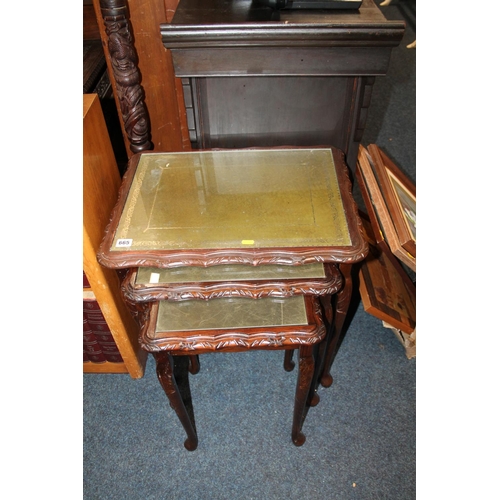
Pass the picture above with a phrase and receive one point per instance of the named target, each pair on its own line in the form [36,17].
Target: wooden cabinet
[101,182]
[230,74]
[254,76]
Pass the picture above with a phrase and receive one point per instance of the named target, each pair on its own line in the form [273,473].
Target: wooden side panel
[90,26]
[101,182]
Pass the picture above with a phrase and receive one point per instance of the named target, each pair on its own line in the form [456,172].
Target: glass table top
[233,199]
[234,272]
[229,313]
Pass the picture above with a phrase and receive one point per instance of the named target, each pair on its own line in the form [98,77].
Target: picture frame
[385,289]
[378,209]
[399,194]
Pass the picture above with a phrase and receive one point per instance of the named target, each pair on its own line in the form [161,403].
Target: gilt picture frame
[378,210]
[399,194]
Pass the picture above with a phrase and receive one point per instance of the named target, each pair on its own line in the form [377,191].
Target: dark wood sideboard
[254,76]
[240,74]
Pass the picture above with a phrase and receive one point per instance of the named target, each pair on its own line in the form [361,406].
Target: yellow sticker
[247,242]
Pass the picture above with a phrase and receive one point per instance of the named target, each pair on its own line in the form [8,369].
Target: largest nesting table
[235,250]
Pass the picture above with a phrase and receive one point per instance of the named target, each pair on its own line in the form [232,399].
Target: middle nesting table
[259,234]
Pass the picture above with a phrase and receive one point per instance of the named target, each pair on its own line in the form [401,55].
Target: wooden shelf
[101,181]
[90,367]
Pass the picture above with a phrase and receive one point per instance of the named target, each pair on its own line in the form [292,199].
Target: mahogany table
[258,235]
[144,285]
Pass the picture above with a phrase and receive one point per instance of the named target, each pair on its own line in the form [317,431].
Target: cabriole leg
[194,364]
[288,363]
[343,300]
[304,380]
[165,373]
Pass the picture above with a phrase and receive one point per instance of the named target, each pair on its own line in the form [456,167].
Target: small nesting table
[234,250]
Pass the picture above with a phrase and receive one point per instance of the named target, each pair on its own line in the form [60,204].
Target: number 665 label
[124,243]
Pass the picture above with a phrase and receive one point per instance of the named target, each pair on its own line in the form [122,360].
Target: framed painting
[384,287]
[379,211]
[399,194]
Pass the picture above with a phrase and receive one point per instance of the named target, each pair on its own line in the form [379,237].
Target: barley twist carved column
[129,91]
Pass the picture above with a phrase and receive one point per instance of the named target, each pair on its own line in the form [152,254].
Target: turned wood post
[123,56]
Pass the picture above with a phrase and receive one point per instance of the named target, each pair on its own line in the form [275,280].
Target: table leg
[304,380]
[165,373]
[194,364]
[313,399]
[288,363]
[343,300]
[320,349]
[313,396]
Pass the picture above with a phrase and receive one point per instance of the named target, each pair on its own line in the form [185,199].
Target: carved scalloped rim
[296,256]
[208,291]
[206,258]
[236,339]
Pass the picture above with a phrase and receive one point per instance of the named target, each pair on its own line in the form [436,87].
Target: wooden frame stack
[386,289]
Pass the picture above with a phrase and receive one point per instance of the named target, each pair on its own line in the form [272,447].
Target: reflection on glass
[233,199]
[233,272]
[224,314]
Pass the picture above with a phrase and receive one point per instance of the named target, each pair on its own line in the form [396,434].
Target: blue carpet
[360,438]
